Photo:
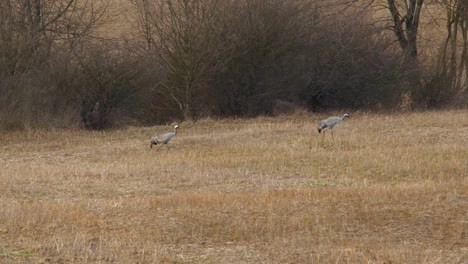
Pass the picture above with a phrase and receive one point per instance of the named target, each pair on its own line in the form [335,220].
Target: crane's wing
[323,124]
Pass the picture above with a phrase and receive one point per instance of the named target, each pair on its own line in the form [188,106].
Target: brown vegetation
[153,62]
[390,189]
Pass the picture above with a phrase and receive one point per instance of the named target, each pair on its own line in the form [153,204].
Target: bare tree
[31,28]
[37,40]
[449,80]
[406,15]
[457,31]
[181,34]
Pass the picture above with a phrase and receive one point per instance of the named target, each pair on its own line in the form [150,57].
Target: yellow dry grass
[392,188]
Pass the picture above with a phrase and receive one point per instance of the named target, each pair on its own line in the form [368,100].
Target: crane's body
[165,138]
[330,123]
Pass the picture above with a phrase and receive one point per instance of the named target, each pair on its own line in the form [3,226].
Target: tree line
[188,59]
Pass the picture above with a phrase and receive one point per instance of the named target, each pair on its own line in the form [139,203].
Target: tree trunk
[406,27]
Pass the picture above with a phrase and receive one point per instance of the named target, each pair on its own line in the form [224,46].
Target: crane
[165,138]
[330,123]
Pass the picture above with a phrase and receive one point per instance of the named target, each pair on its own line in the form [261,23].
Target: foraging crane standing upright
[165,138]
[330,123]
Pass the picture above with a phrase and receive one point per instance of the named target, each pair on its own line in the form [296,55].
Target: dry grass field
[391,188]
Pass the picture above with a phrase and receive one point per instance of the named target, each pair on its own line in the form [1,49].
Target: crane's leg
[158,148]
[331,130]
[323,135]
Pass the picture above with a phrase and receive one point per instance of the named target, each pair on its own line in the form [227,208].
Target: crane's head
[154,141]
[345,115]
[176,126]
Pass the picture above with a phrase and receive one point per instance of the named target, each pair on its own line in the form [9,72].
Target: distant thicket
[224,58]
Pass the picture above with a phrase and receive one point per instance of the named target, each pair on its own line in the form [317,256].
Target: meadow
[391,188]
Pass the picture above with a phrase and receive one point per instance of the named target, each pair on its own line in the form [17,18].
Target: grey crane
[165,138]
[330,123]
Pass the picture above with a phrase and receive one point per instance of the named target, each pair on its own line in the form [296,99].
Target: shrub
[353,66]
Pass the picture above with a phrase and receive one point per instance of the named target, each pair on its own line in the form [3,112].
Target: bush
[107,78]
[202,58]
[353,66]
[262,42]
